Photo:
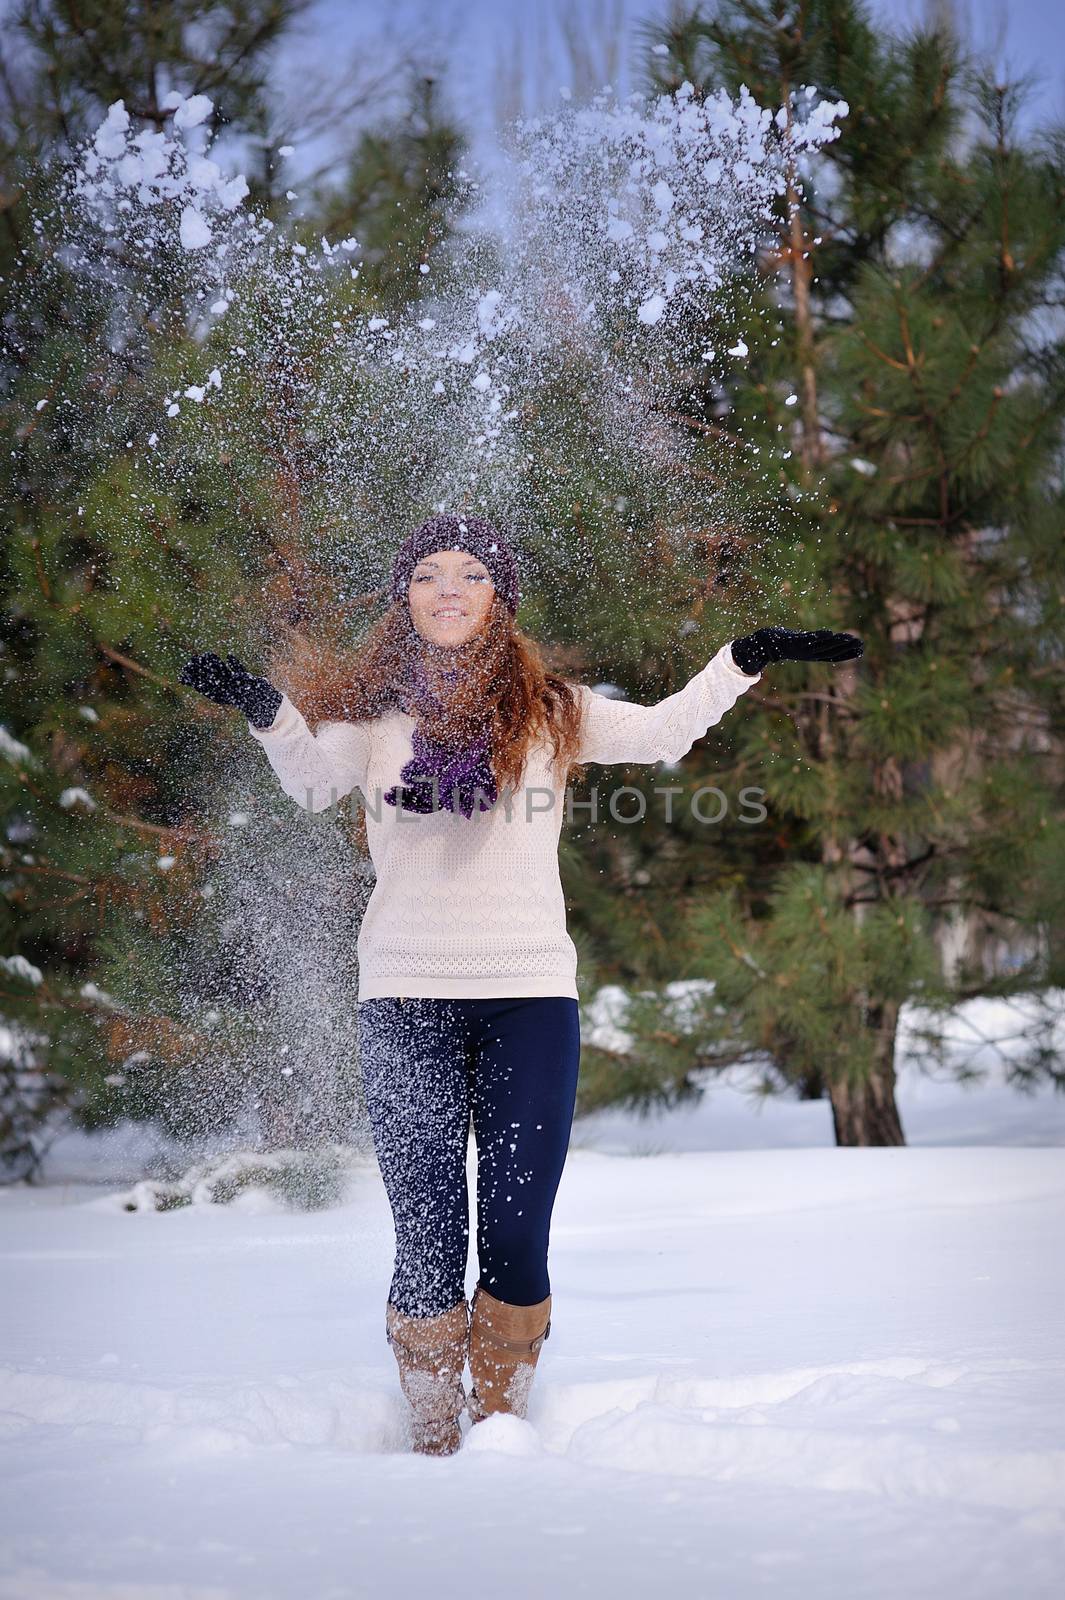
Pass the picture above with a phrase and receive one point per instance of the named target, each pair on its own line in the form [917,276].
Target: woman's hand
[756,650]
[229,683]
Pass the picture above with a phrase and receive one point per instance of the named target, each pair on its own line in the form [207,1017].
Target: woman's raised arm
[620,730]
[315,769]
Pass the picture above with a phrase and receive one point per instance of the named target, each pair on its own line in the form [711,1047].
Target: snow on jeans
[427,1065]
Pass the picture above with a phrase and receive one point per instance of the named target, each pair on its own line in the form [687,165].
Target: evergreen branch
[966,374]
[62,903]
[928,416]
[221,69]
[42,576]
[772,704]
[743,955]
[805,694]
[957,235]
[71,1002]
[914,522]
[87,38]
[712,429]
[899,366]
[27,869]
[133,666]
[903,867]
[180,835]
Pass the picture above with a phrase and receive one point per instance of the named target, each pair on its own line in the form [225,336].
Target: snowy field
[785,1371]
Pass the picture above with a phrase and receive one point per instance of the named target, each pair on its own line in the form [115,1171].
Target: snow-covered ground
[796,1372]
[775,1368]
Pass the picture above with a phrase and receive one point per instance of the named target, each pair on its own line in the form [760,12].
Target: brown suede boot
[505,1343]
[431,1353]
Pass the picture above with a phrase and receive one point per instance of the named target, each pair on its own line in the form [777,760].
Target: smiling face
[450,595]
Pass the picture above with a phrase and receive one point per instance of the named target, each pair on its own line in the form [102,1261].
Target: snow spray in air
[566,323]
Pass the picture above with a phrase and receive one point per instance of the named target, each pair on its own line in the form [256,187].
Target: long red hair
[509,686]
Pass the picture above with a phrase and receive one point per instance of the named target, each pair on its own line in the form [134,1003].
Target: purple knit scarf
[440,776]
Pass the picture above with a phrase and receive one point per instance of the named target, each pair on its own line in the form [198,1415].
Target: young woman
[461,743]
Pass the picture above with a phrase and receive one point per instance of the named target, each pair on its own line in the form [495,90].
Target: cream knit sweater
[474,907]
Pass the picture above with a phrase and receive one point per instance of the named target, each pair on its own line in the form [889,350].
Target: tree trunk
[864,1111]
[798,251]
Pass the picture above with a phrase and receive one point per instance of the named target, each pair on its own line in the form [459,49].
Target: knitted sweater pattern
[473,907]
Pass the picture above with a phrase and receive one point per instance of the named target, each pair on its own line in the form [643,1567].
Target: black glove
[757,650]
[229,683]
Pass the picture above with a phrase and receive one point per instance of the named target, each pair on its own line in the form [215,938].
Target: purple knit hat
[459,532]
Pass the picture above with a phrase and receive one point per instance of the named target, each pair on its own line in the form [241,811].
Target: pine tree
[906,378]
[400,192]
[145,985]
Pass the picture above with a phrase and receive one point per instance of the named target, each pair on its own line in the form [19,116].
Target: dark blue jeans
[427,1066]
